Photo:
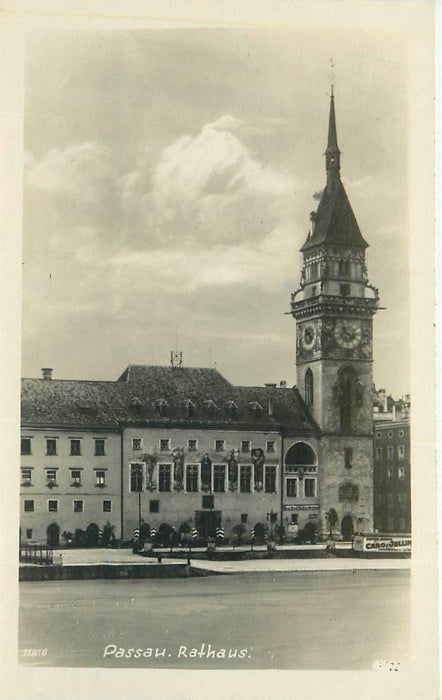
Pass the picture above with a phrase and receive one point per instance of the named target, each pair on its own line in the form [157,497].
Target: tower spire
[332,154]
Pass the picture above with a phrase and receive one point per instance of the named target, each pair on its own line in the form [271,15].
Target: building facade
[392,494]
[182,447]
[164,446]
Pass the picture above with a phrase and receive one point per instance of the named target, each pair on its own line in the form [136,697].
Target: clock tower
[333,308]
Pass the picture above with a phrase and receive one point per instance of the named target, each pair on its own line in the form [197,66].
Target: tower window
[348,457]
[308,387]
[344,290]
[347,400]
[314,290]
[344,268]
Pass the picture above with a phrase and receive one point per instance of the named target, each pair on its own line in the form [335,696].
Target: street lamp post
[139,489]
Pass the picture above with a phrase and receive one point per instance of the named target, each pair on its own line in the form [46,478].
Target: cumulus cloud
[78,171]
[206,188]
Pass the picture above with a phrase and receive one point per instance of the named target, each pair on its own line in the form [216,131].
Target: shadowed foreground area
[284,620]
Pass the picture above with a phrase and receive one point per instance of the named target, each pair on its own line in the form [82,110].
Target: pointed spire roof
[332,144]
[334,222]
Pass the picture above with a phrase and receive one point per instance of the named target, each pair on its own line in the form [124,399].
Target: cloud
[78,171]
[207,189]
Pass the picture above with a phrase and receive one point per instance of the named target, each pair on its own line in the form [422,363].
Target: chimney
[269,399]
[46,373]
[283,384]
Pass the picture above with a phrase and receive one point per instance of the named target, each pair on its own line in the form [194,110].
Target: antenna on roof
[176,359]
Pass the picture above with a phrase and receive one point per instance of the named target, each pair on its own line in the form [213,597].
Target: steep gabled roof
[159,396]
[335,222]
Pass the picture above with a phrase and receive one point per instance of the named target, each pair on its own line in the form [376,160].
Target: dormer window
[190,408]
[255,407]
[210,407]
[161,406]
[231,408]
[136,404]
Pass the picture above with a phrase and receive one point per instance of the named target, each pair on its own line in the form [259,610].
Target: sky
[169,175]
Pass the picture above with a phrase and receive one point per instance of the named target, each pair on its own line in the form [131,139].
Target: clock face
[308,336]
[348,334]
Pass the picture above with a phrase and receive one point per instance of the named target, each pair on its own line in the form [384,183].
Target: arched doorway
[92,531]
[309,533]
[260,532]
[53,535]
[347,528]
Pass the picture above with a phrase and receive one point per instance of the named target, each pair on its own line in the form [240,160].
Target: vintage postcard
[219,309]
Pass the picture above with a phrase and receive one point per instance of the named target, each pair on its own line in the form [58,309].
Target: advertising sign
[382,543]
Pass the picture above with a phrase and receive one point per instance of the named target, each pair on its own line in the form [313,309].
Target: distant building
[385,408]
[392,496]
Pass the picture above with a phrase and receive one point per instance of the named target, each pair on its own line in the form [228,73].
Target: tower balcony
[325,304]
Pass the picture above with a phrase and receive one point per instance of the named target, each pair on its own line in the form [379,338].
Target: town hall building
[181,447]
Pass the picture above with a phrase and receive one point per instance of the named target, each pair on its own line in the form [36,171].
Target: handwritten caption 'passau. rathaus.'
[205,651]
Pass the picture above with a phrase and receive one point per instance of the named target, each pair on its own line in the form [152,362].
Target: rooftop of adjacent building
[158,395]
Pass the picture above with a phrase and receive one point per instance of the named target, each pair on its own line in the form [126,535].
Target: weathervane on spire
[332,75]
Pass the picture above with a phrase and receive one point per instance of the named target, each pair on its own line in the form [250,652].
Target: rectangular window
[75,477]
[401,451]
[192,445]
[219,478]
[75,447]
[29,506]
[309,487]
[295,518]
[191,478]
[208,501]
[137,444]
[291,487]
[26,476]
[51,477]
[100,476]
[52,506]
[245,446]
[401,472]
[271,446]
[345,290]
[28,533]
[165,445]
[154,506]
[245,480]
[220,445]
[99,447]
[25,446]
[314,290]
[51,446]
[107,506]
[378,452]
[136,477]
[390,452]
[348,457]
[389,473]
[244,517]
[78,506]
[270,480]
[165,477]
